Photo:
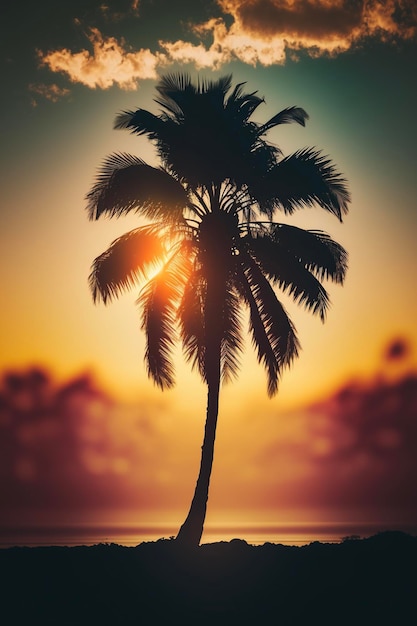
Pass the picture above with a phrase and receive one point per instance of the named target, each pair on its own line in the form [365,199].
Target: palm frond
[220,86]
[289,273]
[140,122]
[159,301]
[318,252]
[125,261]
[127,183]
[175,82]
[258,163]
[231,343]
[236,93]
[273,334]
[191,317]
[302,179]
[240,106]
[286,116]
[193,327]
[177,94]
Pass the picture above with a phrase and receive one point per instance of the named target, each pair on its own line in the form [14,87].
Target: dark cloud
[320,19]
[354,451]
[302,18]
[369,434]
[317,26]
[71,446]
[397,349]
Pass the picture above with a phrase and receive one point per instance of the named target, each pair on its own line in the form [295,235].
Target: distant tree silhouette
[211,207]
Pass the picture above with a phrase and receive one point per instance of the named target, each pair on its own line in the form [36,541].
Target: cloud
[70,446]
[351,452]
[212,57]
[398,349]
[114,15]
[50,92]
[354,450]
[317,26]
[264,32]
[109,64]
[227,45]
[367,434]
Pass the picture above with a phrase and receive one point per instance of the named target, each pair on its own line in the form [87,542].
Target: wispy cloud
[110,63]
[121,12]
[264,32]
[50,92]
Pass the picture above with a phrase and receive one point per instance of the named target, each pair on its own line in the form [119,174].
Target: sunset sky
[86,432]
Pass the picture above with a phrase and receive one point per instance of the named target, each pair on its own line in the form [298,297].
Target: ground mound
[358,581]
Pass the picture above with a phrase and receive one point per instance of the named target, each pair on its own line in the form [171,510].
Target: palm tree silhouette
[211,207]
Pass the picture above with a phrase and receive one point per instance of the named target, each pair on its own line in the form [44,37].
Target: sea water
[132,534]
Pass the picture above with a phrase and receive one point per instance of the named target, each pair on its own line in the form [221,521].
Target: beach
[357,581]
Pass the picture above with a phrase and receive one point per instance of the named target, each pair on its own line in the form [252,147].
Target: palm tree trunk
[192,529]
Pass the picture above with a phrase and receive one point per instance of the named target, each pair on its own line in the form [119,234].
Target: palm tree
[209,212]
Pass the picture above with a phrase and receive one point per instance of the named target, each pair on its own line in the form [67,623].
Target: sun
[153,271]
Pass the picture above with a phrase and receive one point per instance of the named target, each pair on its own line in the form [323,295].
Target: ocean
[131,534]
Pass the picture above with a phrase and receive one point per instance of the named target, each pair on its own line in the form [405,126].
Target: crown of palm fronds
[219,177]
